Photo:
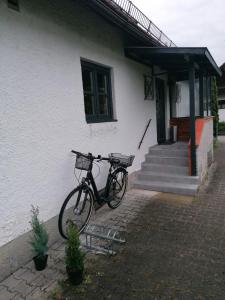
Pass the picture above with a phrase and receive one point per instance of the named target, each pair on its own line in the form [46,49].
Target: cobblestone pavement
[26,283]
[217,178]
[175,250]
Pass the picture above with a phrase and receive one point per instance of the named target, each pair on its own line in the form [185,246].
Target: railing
[141,20]
[146,129]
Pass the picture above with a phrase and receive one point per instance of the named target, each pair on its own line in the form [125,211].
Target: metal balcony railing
[141,20]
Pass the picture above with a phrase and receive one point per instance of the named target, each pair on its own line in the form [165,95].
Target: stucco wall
[42,108]
[205,149]
[222,115]
[222,110]
[183,105]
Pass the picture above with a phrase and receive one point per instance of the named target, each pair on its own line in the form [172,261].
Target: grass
[64,288]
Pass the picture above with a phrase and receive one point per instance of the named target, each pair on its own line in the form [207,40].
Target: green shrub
[221,127]
[214,106]
[74,256]
[39,239]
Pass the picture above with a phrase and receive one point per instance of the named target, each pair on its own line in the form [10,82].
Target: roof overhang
[176,60]
[117,18]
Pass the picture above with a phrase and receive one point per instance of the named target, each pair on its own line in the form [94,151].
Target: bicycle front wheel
[117,187]
[77,208]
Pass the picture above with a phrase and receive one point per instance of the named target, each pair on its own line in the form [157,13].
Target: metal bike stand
[102,239]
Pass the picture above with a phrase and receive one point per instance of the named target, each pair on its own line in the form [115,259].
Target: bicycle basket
[82,163]
[122,160]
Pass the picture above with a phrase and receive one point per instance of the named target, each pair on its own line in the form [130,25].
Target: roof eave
[189,52]
[213,63]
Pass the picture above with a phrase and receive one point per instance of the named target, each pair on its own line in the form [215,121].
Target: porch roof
[175,60]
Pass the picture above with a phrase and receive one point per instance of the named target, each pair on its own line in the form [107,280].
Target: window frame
[98,69]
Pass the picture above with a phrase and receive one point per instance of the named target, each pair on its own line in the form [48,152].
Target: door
[160,111]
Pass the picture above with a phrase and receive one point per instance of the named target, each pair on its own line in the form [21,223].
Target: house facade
[221,94]
[88,76]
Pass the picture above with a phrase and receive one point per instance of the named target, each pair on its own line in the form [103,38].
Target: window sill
[100,121]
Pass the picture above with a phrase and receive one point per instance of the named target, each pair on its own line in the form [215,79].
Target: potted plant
[74,256]
[39,240]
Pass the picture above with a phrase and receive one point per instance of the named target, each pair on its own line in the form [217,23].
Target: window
[97,92]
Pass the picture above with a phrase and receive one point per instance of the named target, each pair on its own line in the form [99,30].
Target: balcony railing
[141,20]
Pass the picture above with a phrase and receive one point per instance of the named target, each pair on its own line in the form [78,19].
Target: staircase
[166,170]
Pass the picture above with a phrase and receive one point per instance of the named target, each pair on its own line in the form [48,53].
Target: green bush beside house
[221,128]
[214,106]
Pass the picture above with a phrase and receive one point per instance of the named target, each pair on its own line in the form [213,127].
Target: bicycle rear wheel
[77,208]
[117,187]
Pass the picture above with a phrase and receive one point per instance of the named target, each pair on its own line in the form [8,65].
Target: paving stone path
[175,250]
[26,283]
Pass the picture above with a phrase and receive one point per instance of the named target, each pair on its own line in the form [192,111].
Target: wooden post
[201,94]
[192,118]
[210,94]
[170,83]
[207,95]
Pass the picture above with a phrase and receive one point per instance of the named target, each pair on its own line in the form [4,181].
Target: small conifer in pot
[74,256]
[38,240]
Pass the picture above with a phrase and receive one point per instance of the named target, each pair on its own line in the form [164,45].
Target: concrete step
[163,177]
[168,152]
[175,146]
[168,169]
[168,161]
[167,187]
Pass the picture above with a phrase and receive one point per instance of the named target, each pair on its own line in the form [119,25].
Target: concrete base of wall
[16,253]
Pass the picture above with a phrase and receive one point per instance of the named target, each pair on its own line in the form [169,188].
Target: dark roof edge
[185,51]
[179,50]
[212,61]
[222,67]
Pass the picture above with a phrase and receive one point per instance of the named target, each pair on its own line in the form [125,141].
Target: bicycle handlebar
[90,155]
[99,157]
[79,153]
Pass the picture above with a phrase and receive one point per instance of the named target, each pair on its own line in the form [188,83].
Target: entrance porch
[180,167]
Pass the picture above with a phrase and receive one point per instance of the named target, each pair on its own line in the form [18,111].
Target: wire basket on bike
[122,160]
[83,163]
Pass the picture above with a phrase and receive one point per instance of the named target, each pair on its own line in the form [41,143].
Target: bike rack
[102,239]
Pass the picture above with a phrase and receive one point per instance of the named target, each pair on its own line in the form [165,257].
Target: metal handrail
[142,21]
[146,129]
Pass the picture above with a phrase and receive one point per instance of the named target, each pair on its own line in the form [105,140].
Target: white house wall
[221,111]
[205,149]
[222,115]
[183,105]
[42,107]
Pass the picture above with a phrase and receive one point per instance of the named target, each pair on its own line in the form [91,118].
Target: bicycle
[78,205]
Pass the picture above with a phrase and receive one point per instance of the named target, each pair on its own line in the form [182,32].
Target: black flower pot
[40,262]
[75,277]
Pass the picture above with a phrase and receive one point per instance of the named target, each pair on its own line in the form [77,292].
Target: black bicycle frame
[90,180]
